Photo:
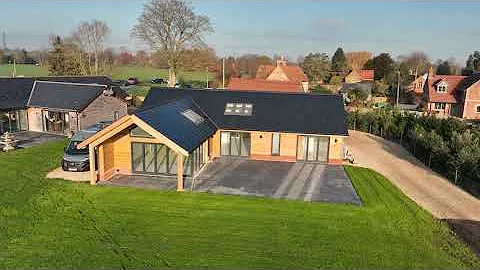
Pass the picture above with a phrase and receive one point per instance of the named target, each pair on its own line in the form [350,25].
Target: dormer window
[442,87]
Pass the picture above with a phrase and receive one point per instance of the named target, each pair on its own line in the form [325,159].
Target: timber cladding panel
[122,152]
[261,143]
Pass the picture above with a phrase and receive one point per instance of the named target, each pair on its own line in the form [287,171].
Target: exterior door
[313,148]
[235,143]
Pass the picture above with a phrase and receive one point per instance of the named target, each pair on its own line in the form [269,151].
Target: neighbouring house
[416,87]
[177,131]
[452,95]
[360,75]
[48,103]
[243,84]
[283,73]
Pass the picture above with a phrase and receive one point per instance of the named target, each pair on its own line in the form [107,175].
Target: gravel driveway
[431,191]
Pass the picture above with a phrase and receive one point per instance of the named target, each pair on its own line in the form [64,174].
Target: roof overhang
[124,123]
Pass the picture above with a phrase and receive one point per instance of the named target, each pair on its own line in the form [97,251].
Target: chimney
[430,72]
[282,62]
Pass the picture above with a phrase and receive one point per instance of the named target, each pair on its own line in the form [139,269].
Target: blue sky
[290,28]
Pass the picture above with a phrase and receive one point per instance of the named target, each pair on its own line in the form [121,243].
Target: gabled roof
[65,96]
[294,73]
[14,92]
[453,82]
[263,71]
[263,85]
[469,81]
[275,112]
[167,118]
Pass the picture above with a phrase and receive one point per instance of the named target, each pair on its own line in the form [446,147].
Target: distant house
[452,95]
[242,84]
[57,104]
[283,73]
[177,131]
[416,87]
[360,75]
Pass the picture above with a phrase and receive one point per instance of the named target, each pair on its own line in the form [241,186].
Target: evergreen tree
[339,61]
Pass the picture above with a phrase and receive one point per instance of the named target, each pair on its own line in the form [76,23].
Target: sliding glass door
[13,121]
[150,158]
[235,143]
[312,148]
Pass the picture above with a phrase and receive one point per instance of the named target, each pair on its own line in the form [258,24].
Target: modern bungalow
[177,131]
[57,104]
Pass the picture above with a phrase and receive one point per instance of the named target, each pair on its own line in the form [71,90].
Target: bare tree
[90,36]
[172,26]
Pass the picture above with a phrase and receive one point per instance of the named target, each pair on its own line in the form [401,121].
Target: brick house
[360,75]
[58,104]
[452,95]
[282,72]
[416,87]
[177,131]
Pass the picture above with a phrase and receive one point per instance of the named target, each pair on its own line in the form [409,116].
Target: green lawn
[53,223]
[23,70]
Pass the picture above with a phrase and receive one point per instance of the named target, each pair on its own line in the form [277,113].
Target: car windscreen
[72,149]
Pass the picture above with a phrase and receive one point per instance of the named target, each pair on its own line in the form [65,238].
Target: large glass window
[159,159]
[234,143]
[56,121]
[312,148]
[275,144]
[13,121]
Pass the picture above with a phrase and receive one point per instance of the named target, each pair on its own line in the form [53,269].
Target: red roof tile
[263,85]
[449,97]
[294,73]
[366,74]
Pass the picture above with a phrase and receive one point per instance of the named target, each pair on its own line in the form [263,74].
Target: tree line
[448,146]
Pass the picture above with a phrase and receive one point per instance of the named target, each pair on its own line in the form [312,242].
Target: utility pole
[398,87]
[207,77]
[223,73]
[4,40]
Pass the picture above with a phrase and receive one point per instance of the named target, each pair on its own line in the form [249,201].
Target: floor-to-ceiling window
[234,143]
[312,148]
[56,121]
[13,121]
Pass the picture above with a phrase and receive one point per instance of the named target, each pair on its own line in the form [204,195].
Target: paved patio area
[238,176]
[31,138]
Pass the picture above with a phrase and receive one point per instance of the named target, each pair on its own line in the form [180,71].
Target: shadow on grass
[468,231]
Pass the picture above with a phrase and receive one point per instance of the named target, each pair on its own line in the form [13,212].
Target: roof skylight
[243,109]
[193,116]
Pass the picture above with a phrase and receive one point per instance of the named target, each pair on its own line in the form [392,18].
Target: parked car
[75,159]
[132,81]
[159,81]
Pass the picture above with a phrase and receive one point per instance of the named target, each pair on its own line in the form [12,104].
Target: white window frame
[442,87]
[440,103]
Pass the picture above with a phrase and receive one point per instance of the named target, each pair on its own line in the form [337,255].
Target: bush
[321,90]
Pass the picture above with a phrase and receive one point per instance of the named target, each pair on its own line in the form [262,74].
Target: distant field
[23,70]
[144,74]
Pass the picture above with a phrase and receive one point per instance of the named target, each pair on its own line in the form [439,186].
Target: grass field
[23,70]
[144,74]
[53,223]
